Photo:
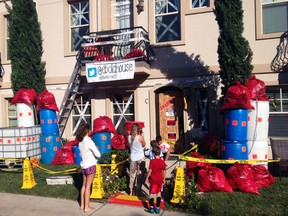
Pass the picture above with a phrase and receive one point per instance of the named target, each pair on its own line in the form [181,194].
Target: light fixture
[140,6]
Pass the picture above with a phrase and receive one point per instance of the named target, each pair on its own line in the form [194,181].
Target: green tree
[234,53]
[25,47]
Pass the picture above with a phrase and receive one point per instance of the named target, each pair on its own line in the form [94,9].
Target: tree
[25,47]
[234,53]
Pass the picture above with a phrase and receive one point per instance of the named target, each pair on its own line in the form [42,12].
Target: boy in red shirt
[156,178]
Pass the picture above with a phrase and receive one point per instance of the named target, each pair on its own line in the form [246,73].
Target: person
[165,147]
[156,178]
[149,153]
[136,143]
[90,155]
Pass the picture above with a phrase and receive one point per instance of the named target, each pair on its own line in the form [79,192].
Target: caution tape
[68,171]
[221,161]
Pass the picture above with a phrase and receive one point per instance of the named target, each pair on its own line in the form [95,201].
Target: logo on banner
[92,72]
[110,71]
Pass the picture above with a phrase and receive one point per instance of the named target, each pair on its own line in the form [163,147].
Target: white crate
[20,142]
[59,180]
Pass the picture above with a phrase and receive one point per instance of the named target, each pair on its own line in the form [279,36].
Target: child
[89,154]
[156,177]
[148,153]
[165,147]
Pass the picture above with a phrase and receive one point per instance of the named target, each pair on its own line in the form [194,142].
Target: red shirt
[157,166]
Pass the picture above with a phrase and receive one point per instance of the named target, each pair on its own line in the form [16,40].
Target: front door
[170,117]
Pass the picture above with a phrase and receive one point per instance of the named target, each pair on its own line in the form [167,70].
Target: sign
[110,70]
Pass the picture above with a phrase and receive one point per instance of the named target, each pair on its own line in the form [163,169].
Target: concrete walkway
[23,205]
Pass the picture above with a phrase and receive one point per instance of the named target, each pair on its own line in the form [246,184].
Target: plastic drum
[236,124]
[103,141]
[77,155]
[49,121]
[49,145]
[258,150]
[258,121]
[25,115]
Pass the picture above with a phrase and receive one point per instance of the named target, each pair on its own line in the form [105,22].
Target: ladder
[70,95]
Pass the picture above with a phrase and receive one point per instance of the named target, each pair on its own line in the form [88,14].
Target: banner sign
[110,70]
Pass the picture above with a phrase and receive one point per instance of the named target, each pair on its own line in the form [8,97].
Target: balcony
[119,44]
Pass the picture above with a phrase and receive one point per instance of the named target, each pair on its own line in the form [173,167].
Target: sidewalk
[23,205]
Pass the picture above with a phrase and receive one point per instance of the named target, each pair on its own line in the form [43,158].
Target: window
[202,108]
[122,13]
[123,110]
[6,19]
[12,115]
[79,23]
[167,20]
[81,112]
[272,18]
[275,17]
[278,111]
[200,3]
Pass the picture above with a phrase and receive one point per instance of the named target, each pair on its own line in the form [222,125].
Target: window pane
[200,3]
[275,18]
[168,28]
[285,105]
[79,18]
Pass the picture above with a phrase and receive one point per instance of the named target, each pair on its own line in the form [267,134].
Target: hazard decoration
[179,188]
[97,187]
[28,176]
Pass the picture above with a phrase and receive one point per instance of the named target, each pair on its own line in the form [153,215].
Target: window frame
[67,23]
[259,23]
[122,104]
[280,99]
[80,107]
[116,15]
[152,26]
[5,37]
[189,10]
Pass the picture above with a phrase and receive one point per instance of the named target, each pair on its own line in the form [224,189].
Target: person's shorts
[155,188]
[89,170]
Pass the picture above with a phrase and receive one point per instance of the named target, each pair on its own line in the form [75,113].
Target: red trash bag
[26,96]
[262,176]
[63,157]
[118,142]
[46,100]
[212,179]
[69,145]
[192,167]
[103,124]
[237,97]
[257,89]
[241,178]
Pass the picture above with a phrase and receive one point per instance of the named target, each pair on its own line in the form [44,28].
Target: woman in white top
[89,154]
[137,143]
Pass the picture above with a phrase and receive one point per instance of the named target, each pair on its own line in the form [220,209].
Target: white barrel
[258,150]
[258,121]
[25,115]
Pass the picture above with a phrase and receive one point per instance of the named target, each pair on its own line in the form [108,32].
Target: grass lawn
[272,200]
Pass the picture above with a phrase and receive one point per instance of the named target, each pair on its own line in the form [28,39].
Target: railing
[128,43]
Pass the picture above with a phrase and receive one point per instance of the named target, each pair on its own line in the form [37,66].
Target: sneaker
[151,210]
[157,211]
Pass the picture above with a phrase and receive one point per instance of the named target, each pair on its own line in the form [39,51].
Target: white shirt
[164,147]
[136,148]
[88,152]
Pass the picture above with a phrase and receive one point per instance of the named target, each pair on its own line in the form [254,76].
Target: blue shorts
[89,170]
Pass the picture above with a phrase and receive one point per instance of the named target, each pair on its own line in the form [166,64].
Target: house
[175,88]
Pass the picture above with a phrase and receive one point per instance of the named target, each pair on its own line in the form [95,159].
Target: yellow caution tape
[221,161]
[195,147]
